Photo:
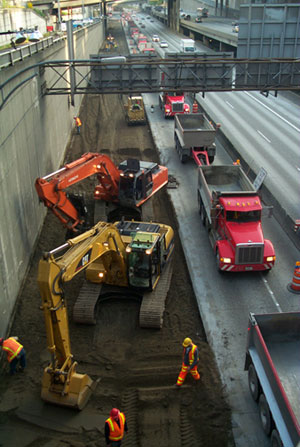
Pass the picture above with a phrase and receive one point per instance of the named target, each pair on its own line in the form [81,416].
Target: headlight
[226,260]
[271,258]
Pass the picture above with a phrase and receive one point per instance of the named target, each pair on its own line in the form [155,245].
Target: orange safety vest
[116,433]
[12,348]
[191,354]
[77,122]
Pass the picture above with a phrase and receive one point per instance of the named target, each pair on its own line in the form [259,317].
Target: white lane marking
[230,105]
[275,113]
[271,293]
[262,135]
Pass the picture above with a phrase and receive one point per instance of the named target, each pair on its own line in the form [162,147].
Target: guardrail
[11,56]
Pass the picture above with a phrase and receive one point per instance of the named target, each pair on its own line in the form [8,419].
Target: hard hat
[186,342]
[1,340]
[114,413]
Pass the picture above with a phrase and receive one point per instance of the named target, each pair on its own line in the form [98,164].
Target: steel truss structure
[143,74]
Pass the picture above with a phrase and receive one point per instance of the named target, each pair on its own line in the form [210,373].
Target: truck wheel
[182,158]
[203,215]
[275,439]
[218,262]
[211,159]
[200,204]
[265,414]
[253,382]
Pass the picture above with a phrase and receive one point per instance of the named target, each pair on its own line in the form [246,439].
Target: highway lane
[265,135]
[225,301]
[265,131]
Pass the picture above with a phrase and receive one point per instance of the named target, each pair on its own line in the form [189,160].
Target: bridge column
[205,41]
[173,14]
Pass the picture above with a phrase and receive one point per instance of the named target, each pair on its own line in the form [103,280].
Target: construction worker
[15,353]
[189,361]
[114,428]
[77,124]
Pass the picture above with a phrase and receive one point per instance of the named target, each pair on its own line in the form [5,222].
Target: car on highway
[198,20]
[164,44]
[155,38]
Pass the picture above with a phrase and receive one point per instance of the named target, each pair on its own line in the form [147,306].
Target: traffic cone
[195,107]
[294,286]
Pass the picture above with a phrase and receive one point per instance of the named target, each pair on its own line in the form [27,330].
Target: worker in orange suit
[189,362]
[114,429]
[77,124]
[15,353]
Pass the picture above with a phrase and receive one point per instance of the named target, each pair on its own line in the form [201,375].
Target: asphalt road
[266,133]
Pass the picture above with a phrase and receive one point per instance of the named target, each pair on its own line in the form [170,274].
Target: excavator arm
[61,383]
[51,188]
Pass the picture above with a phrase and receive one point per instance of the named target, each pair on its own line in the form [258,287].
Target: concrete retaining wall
[34,132]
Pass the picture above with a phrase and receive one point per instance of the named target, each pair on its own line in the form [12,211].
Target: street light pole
[59,15]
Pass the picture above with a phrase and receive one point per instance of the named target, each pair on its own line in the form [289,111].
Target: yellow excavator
[127,254]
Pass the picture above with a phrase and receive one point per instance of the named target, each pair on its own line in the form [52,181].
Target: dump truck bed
[194,130]
[274,347]
[225,180]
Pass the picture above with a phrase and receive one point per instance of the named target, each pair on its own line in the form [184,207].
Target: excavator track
[153,304]
[84,310]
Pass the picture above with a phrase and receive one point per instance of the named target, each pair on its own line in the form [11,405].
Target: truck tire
[275,439]
[200,204]
[218,262]
[265,414]
[211,159]
[253,382]
[182,157]
[203,214]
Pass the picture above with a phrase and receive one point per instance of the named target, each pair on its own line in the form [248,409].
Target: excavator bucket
[78,392]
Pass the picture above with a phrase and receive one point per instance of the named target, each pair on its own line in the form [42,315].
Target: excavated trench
[137,367]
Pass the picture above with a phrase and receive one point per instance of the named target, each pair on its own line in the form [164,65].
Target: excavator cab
[147,253]
[136,182]
[144,265]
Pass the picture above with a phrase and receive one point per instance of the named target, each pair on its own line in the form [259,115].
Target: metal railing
[130,74]
[12,56]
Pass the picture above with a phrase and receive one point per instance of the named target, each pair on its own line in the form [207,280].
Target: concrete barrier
[34,132]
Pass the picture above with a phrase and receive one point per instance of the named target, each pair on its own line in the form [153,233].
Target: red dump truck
[273,365]
[230,208]
[194,137]
[172,103]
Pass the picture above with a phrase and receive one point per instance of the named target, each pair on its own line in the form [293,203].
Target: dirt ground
[138,367]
